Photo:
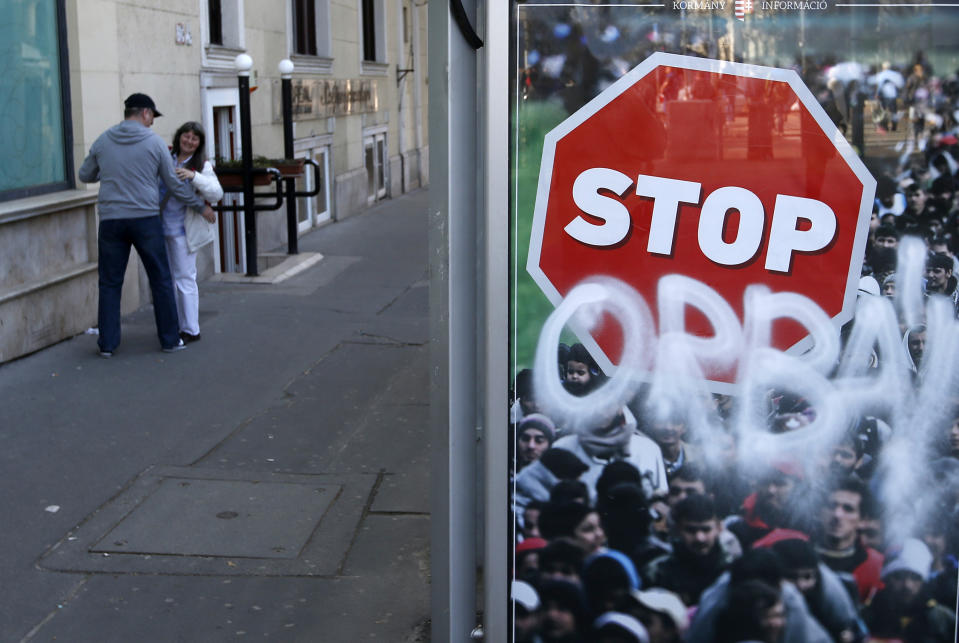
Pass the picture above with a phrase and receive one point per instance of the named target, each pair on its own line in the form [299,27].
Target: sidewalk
[271,481]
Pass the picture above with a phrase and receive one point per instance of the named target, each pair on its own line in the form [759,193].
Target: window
[308,36]
[223,32]
[304,27]
[216,22]
[35,123]
[373,36]
[369,30]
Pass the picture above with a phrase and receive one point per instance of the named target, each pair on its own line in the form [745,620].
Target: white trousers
[187,295]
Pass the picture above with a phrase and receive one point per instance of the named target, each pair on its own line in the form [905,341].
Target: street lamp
[286,80]
[243,64]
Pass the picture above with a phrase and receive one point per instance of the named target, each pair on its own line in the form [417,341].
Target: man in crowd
[825,594]
[939,277]
[129,161]
[612,441]
[669,434]
[534,435]
[838,539]
[768,506]
[698,558]
[900,611]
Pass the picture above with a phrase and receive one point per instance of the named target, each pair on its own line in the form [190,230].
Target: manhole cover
[190,517]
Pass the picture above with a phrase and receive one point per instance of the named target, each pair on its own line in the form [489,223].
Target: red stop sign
[727,173]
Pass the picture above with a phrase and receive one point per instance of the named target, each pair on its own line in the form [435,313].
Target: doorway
[221,117]
[375,158]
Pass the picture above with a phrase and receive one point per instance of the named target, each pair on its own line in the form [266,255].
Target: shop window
[34,114]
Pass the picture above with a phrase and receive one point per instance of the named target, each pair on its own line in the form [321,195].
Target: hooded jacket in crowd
[801,627]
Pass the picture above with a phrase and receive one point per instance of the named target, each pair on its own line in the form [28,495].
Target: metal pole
[286,82]
[243,64]
[494,339]
[453,325]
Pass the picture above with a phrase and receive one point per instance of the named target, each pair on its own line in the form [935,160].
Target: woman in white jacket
[185,229]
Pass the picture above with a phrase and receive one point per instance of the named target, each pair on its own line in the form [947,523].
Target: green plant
[259,161]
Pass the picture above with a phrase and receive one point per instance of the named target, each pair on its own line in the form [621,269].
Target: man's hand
[184,173]
[209,214]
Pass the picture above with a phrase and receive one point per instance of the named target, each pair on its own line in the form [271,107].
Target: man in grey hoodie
[128,159]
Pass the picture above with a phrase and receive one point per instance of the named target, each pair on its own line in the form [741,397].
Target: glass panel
[322,198]
[304,205]
[380,164]
[31,119]
[697,286]
[370,170]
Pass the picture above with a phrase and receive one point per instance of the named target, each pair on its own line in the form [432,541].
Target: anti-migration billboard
[733,332]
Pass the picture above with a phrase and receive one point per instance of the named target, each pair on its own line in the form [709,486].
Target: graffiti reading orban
[870,375]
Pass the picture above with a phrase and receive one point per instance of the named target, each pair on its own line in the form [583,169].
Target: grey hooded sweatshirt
[127,159]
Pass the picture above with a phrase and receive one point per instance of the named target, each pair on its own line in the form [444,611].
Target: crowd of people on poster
[660,522]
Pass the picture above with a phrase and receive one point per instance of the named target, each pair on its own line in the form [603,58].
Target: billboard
[734,398]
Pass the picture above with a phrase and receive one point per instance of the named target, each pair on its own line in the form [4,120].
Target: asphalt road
[269,482]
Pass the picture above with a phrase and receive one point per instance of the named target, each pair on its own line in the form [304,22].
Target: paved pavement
[269,482]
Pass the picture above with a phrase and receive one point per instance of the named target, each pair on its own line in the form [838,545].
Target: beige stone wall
[117,47]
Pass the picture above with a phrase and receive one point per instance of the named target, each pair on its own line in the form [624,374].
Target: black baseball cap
[141,100]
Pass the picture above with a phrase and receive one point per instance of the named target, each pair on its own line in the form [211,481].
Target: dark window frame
[215,22]
[66,120]
[304,27]
[368,17]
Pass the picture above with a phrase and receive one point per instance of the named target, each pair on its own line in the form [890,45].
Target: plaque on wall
[314,99]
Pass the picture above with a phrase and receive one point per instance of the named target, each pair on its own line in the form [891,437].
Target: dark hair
[132,111]
[524,384]
[757,564]
[569,597]
[562,356]
[569,491]
[562,550]
[607,572]
[694,508]
[739,620]
[796,554]
[557,520]
[939,260]
[615,472]
[196,161]
[854,485]
[942,184]
[624,512]
[691,472]
[886,231]
[578,353]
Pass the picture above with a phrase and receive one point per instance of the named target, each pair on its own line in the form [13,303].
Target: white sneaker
[179,346]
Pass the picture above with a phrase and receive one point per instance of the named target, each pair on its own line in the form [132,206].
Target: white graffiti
[871,375]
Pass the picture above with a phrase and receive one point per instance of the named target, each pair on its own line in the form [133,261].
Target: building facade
[360,103]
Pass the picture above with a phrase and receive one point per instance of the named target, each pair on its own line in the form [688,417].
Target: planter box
[290,169]
[233,177]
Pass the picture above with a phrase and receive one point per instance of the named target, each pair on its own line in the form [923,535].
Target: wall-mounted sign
[323,98]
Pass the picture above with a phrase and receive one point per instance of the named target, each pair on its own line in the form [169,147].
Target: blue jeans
[146,235]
